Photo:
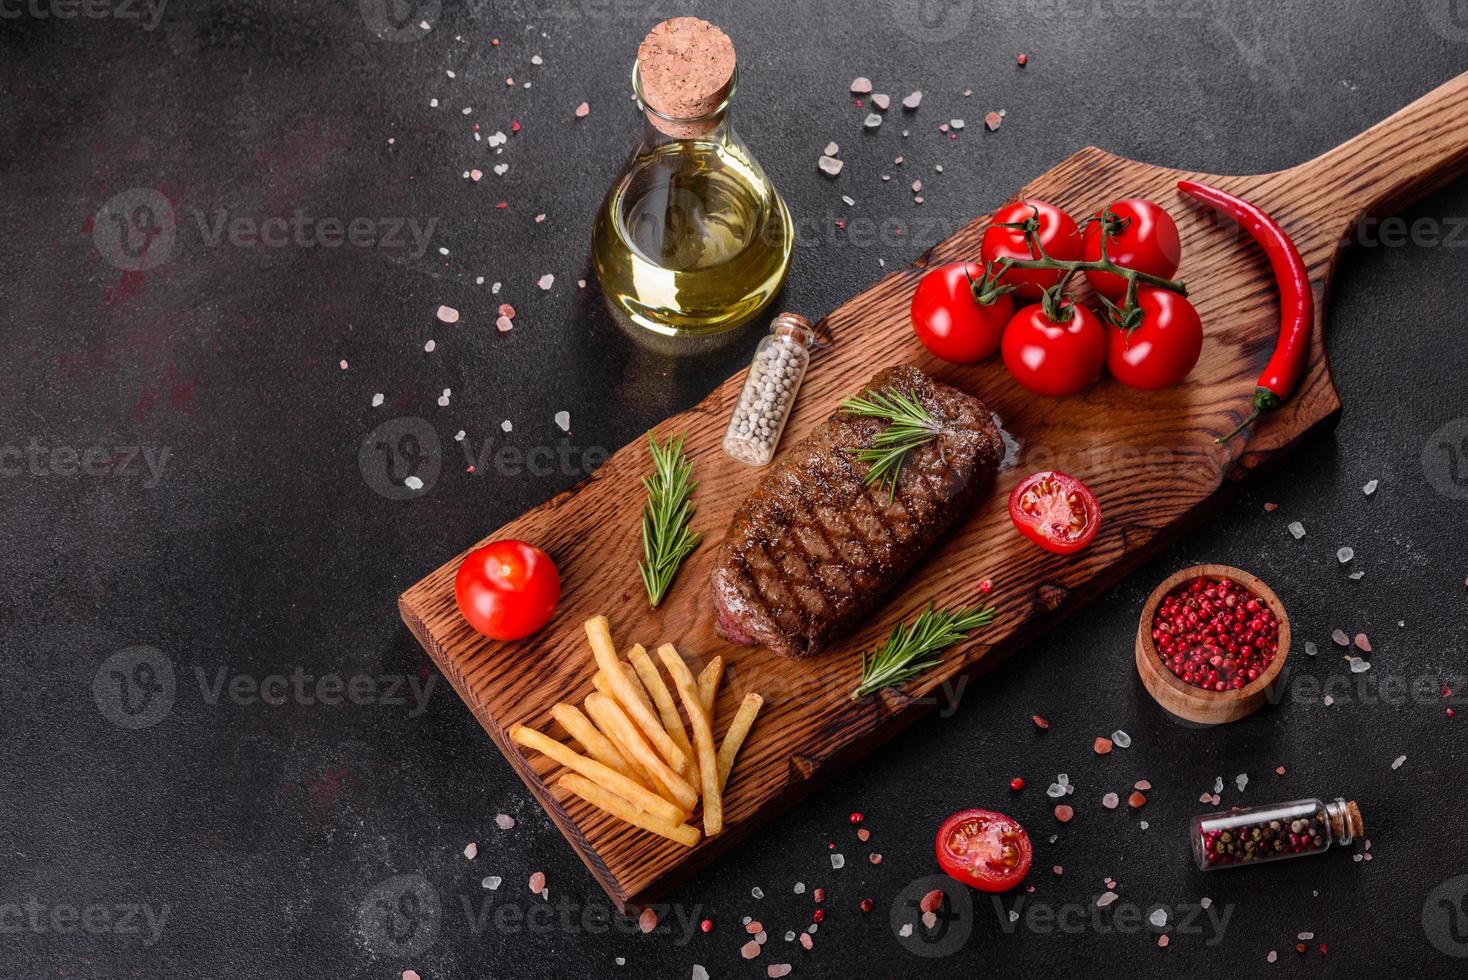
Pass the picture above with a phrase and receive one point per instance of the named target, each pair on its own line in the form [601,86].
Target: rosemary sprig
[910,650]
[911,426]
[666,538]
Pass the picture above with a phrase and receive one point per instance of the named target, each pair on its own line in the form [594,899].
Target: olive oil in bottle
[692,238]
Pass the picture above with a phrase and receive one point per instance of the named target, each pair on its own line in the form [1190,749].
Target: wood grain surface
[1149,456]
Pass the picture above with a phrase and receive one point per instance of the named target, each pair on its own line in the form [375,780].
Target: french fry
[635,680]
[600,635]
[667,707]
[734,737]
[622,810]
[609,779]
[597,745]
[708,684]
[596,708]
[703,737]
[631,739]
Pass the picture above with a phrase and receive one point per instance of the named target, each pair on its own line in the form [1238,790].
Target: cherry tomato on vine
[1139,235]
[1163,348]
[507,589]
[1058,236]
[1057,512]
[949,319]
[984,850]
[1054,357]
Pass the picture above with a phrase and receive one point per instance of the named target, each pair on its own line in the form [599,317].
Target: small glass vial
[769,391]
[692,239]
[1258,834]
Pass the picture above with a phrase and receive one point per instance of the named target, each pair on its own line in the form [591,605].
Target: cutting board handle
[1402,158]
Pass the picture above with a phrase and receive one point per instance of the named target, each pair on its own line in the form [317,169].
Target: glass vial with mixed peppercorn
[1269,833]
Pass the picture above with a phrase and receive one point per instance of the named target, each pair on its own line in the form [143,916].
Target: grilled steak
[813,549]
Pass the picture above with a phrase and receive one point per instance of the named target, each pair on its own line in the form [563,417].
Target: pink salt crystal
[1162,940]
[475,175]
[1362,643]
[647,921]
[874,858]
[537,882]
[749,950]
[1340,638]
[861,85]
[1280,771]
[471,850]
[930,919]
[1270,508]
[1142,784]
[504,821]
[863,834]
[546,281]
[777,970]
[539,218]
[504,324]
[932,901]
[992,120]
[754,926]
[1110,800]
[1058,870]
[806,941]
[411,975]
[448,314]
[583,110]
[819,895]
[507,310]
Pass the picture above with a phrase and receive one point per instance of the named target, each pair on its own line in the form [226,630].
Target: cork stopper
[685,72]
[1354,824]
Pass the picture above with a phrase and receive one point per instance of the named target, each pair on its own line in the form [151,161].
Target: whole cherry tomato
[984,850]
[1058,236]
[1163,348]
[507,589]
[1054,356]
[949,319]
[1057,512]
[1139,235]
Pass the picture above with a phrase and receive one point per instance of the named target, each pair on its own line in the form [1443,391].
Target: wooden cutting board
[1149,456]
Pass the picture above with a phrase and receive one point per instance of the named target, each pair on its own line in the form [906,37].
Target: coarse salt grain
[537,882]
[757,892]
[749,950]
[777,970]
[428,347]
[1397,763]
[1110,801]
[913,100]
[647,921]
[1297,529]
[377,399]
[838,861]
[546,281]
[492,882]
[447,314]
[1158,917]
[1106,899]
[582,110]
[504,821]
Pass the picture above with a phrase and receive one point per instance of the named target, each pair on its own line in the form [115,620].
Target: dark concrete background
[267,839]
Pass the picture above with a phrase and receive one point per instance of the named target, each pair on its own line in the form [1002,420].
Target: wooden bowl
[1193,703]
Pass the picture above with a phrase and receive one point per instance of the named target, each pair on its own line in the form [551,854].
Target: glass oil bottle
[692,238]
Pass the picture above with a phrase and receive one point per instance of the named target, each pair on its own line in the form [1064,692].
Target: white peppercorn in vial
[769,390]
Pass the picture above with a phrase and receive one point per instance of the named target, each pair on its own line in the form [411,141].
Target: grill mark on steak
[814,547]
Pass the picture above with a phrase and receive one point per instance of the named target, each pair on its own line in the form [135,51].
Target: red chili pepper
[1296,300]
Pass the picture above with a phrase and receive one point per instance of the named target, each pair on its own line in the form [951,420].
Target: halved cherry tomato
[1055,511]
[507,589]
[1058,236]
[949,319]
[1054,358]
[1163,348]
[984,849]
[1143,236]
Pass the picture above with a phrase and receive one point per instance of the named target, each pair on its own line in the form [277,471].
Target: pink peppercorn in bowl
[1211,643]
